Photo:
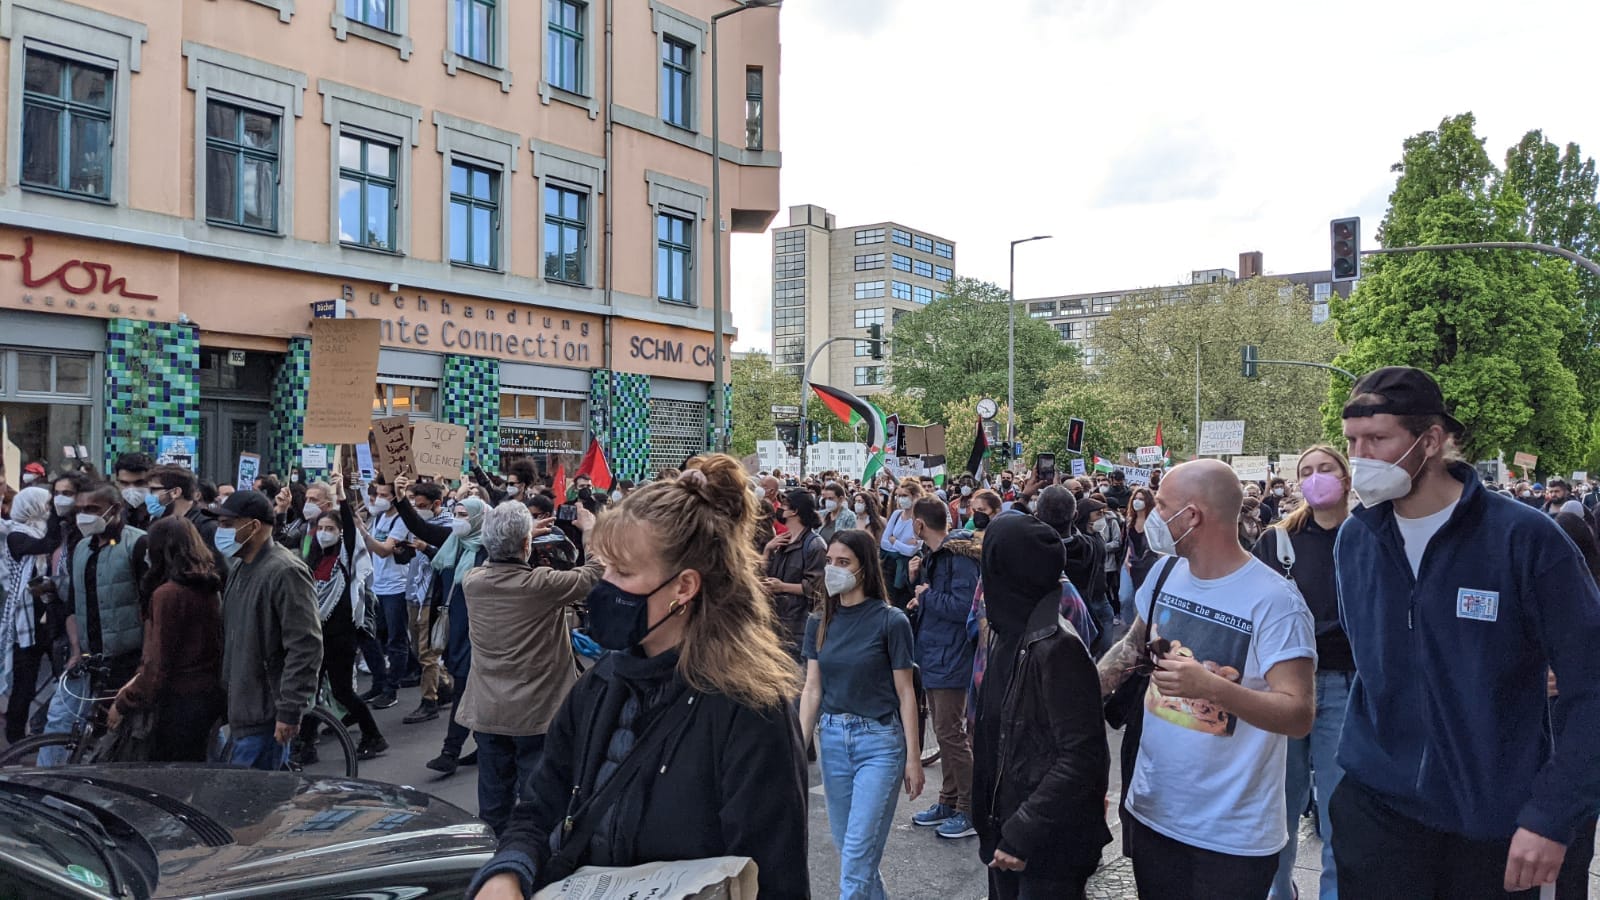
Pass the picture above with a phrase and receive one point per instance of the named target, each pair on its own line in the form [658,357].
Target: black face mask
[980,521]
[619,620]
[584,493]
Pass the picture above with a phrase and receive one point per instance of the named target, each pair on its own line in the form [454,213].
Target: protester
[1573,882]
[1084,557]
[24,637]
[899,543]
[175,493]
[836,514]
[427,604]
[522,665]
[945,572]
[179,682]
[108,569]
[1117,493]
[131,474]
[340,569]
[985,507]
[794,563]
[1233,652]
[389,544]
[1300,547]
[272,638]
[1040,760]
[1458,603]
[860,701]
[697,676]
[869,517]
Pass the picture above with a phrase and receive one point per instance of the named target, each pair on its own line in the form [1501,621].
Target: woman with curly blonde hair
[681,742]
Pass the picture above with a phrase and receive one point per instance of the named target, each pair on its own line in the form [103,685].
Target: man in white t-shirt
[1235,653]
[389,542]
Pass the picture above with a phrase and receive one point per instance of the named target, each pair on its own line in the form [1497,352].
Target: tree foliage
[757,387]
[955,348]
[1146,369]
[1075,393]
[1492,326]
[897,403]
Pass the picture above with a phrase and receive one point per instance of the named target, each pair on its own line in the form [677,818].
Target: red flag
[558,482]
[594,466]
[1158,436]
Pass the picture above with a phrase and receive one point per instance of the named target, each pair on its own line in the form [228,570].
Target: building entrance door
[227,429]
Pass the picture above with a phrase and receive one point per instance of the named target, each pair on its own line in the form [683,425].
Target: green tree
[1490,325]
[896,403]
[1076,393]
[955,348]
[757,387]
[1145,373]
[960,420]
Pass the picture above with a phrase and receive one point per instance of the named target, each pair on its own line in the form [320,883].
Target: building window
[417,399]
[869,261]
[677,82]
[789,293]
[674,257]
[1321,291]
[903,238]
[1041,310]
[753,90]
[942,273]
[901,291]
[369,12]
[241,167]
[943,250]
[1067,330]
[865,317]
[922,295]
[66,126]
[863,348]
[789,322]
[566,234]
[327,820]
[922,244]
[923,268]
[869,374]
[789,242]
[901,263]
[869,236]
[789,351]
[869,290]
[368,202]
[474,216]
[566,45]
[789,265]
[475,30]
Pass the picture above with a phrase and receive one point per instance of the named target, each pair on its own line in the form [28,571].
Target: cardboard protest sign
[344,368]
[392,438]
[439,449]
[1525,461]
[923,440]
[1250,468]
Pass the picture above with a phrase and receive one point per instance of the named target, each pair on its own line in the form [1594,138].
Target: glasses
[1153,653]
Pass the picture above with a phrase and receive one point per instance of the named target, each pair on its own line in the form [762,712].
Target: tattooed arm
[1121,658]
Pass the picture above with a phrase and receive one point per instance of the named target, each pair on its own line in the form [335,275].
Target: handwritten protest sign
[344,367]
[439,449]
[391,437]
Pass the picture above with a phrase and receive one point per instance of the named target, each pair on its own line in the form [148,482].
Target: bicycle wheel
[25,753]
[340,755]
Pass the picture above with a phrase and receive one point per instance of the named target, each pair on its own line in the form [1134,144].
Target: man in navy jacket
[1456,601]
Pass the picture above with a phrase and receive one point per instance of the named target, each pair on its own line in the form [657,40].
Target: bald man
[1203,816]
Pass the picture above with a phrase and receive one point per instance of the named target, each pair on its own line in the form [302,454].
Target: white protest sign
[1134,474]
[314,457]
[1579,476]
[1078,468]
[1223,438]
[1250,468]
[1147,455]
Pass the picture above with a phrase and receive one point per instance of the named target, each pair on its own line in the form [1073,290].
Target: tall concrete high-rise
[831,282]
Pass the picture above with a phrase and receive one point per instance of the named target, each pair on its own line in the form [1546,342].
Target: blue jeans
[1313,757]
[863,763]
[65,712]
[505,766]
[397,639]
[259,751]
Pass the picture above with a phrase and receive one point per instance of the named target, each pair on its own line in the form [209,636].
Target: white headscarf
[30,511]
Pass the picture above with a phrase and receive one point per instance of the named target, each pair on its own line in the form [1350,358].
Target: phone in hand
[1045,466]
[567,512]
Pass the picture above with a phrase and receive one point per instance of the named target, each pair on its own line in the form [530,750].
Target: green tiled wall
[152,384]
[471,392]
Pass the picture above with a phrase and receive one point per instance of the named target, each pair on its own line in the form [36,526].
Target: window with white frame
[1321,291]
[863,348]
[398,396]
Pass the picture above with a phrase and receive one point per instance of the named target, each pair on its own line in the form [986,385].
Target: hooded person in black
[1041,762]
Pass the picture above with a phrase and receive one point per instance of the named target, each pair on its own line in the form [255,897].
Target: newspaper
[719,878]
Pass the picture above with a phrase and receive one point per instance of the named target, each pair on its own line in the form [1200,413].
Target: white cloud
[1150,137]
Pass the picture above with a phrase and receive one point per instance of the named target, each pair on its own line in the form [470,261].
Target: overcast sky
[1150,137]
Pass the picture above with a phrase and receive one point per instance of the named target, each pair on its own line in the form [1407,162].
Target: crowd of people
[1382,640]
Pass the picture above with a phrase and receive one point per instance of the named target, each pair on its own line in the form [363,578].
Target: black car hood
[223,829]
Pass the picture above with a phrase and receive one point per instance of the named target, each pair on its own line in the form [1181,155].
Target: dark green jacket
[272,640]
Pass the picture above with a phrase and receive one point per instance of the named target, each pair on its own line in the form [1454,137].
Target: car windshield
[53,835]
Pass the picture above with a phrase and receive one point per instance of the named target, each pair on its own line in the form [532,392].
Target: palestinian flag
[1103,465]
[874,466]
[853,411]
[980,449]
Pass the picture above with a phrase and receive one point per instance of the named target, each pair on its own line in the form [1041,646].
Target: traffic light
[875,338]
[1345,236]
[1075,436]
[1249,354]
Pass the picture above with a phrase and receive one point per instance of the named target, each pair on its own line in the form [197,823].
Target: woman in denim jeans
[860,702]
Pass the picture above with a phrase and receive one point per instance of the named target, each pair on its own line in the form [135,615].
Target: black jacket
[1040,760]
[729,781]
[1084,564]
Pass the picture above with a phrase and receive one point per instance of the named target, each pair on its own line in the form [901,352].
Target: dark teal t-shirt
[865,643]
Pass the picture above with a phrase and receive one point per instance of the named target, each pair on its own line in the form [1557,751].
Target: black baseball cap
[246,505]
[1399,391]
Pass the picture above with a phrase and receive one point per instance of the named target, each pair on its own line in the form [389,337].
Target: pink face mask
[1322,490]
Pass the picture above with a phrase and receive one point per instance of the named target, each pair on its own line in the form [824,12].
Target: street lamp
[1011,345]
[720,419]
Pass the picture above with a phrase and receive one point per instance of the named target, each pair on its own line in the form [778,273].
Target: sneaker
[937,814]
[372,746]
[957,826]
[371,695]
[445,762]
[383,701]
[426,711]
